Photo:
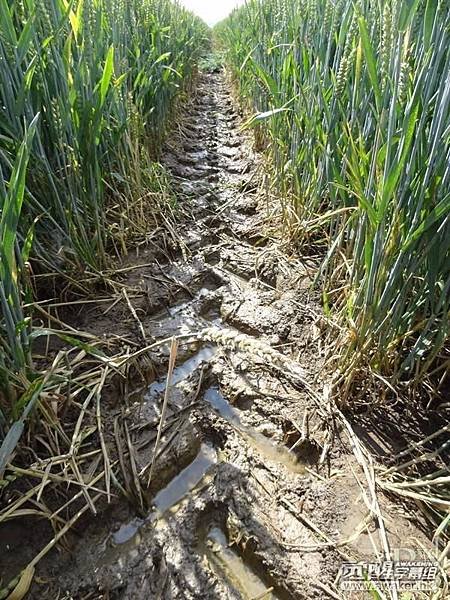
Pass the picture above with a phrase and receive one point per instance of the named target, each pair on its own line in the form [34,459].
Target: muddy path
[255,491]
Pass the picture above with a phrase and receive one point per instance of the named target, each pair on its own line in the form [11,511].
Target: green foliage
[15,355]
[365,141]
[103,76]
[211,62]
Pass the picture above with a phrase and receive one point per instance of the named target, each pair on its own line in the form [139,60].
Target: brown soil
[255,487]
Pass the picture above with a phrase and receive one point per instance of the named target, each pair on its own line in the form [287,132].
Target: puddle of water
[185,482]
[224,408]
[181,486]
[127,531]
[183,371]
[179,308]
[177,324]
[263,445]
[274,452]
[228,565]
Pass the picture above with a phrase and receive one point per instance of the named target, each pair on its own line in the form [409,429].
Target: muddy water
[212,166]
[199,555]
[182,372]
[262,444]
[228,565]
[169,497]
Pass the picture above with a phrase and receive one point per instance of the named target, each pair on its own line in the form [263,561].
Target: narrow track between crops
[255,491]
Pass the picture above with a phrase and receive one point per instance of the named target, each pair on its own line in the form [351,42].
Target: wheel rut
[252,490]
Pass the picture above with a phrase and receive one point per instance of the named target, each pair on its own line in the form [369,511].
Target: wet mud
[254,492]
